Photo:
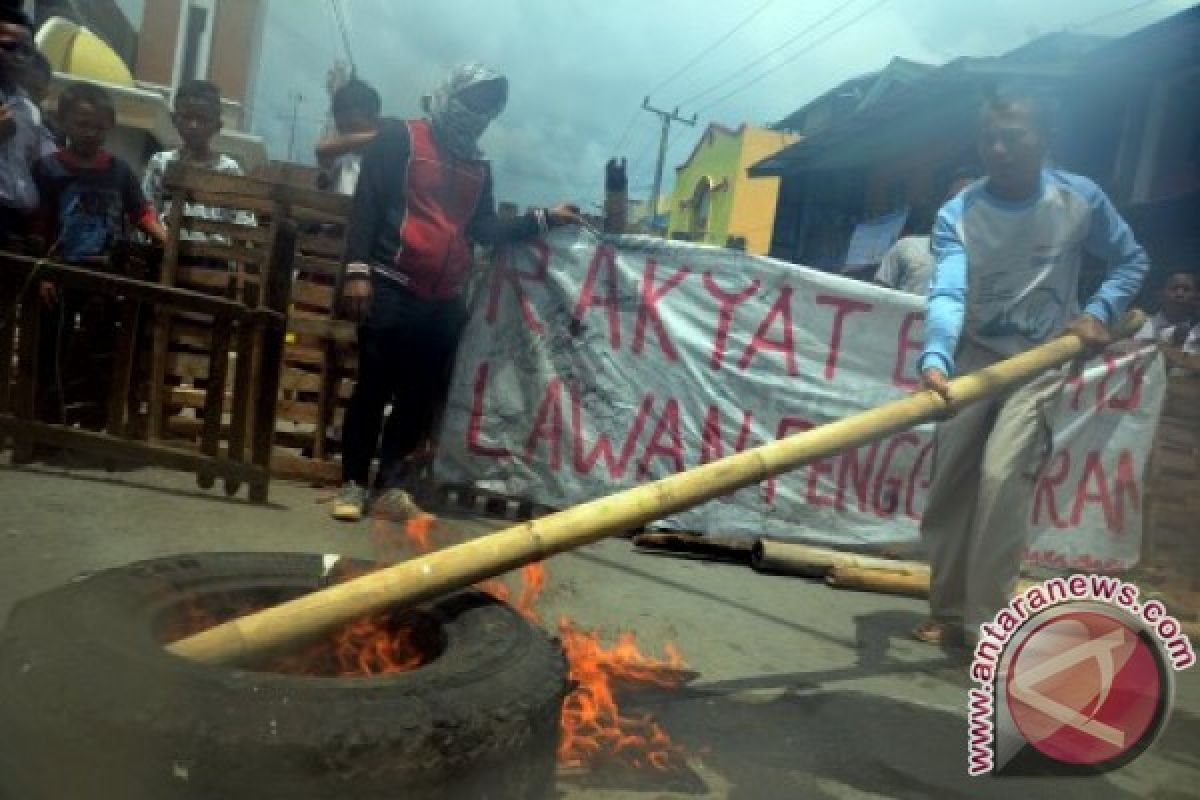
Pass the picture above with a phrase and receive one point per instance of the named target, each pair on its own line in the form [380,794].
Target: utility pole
[296,99]
[667,117]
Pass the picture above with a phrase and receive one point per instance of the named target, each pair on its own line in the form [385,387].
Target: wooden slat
[1184,465]
[313,295]
[336,330]
[25,392]
[187,365]
[298,355]
[1186,487]
[244,398]
[1171,516]
[231,230]
[188,177]
[190,334]
[202,278]
[189,397]
[123,364]
[214,403]
[276,290]
[301,411]
[318,266]
[327,402]
[316,245]
[221,252]
[8,316]
[290,466]
[264,209]
[104,285]
[103,445]
[294,380]
[305,204]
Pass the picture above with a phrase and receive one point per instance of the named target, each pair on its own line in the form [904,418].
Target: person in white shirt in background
[356,109]
[1176,327]
[908,265]
[197,118]
[35,80]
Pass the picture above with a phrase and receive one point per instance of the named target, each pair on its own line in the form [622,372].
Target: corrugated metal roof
[944,96]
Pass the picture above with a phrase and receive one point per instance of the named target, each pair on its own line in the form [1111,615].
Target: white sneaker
[350,503]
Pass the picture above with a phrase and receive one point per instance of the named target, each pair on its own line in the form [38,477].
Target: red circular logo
[1084,687]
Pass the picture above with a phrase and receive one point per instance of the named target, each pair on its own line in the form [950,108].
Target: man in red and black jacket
[424,198]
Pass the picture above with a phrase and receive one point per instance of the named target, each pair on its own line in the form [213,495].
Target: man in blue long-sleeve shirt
[1008,251]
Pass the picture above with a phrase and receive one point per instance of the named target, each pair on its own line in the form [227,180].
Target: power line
[1120,12]
[695,60]
[747,67]
[795,56]
[720,41]
[625,133]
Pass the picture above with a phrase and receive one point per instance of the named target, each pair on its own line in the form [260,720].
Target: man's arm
[330,149]
[1110,238]
[379,180]
[946,306]
[487,228]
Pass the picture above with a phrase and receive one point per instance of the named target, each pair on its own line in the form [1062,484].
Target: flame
[395,540]
[419,531]
[594,731]
[593,728]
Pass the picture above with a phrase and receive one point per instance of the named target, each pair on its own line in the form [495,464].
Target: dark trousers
[405,355]
[75,359]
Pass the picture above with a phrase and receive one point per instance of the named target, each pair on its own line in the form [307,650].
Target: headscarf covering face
[457,126]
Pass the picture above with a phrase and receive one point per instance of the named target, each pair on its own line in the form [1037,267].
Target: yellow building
[714,200]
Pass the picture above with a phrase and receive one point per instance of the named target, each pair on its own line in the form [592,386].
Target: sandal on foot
[934,632]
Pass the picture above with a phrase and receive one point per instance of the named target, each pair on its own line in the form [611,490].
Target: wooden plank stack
[1172,520]
[225,254]
[239,453]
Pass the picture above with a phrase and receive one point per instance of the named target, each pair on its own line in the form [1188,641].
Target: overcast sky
[578,69]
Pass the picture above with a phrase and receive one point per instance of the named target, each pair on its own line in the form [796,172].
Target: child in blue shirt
[90,200]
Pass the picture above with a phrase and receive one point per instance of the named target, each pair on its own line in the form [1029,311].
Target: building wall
[755,199]
[156,42]
[716,159]
[236,28]
[234,47]
[739,206]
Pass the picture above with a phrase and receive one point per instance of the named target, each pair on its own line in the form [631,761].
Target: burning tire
[92,707]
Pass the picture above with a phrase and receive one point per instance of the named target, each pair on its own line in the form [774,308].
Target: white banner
[591,365]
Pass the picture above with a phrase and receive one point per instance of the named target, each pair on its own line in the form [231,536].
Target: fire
[593,728]
[394,541]
[380,644]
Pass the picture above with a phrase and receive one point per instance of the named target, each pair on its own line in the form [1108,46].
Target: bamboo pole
[911,584]
[274,630]
[789,558]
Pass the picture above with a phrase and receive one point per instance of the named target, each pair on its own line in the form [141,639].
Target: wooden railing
[237,428]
